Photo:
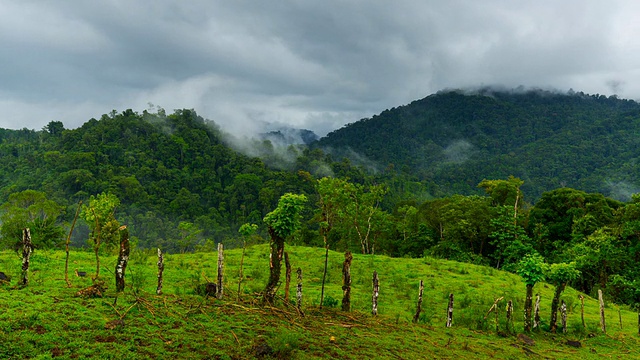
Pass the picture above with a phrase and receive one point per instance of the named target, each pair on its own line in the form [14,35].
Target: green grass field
[46,319]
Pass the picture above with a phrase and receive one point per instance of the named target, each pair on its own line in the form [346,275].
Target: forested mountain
[455,139]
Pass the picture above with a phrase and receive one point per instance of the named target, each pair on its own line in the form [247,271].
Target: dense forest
[489,178]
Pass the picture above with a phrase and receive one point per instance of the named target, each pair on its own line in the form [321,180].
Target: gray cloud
[316,65]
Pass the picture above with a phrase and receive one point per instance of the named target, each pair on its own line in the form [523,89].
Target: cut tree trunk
[346,281]
[299,292]
[416,317]
[220,289]
[160,271]
[374,296]
[287,276]
[275,265]
[66,261]
[528,304]
[563,316]
[27,249]
[603,325]
[123,258]
[450,311]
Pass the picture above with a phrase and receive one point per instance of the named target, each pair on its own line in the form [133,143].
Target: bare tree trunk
[123,258]
[160,271]
[66,262]
[346,281]
[528,304]
[275,265]
[554,307]
[27,249]
[374,296]
[240,275]
[287,276]
[603,325]
[510,316]
[220,289]
[416,317]
[495,308]
[299,292]
[324,274]
[450,311]
[563,316]
[536,316]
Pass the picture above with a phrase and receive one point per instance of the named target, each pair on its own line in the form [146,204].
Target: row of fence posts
[27,249]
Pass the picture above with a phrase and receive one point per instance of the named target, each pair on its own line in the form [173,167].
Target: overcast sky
[310,64]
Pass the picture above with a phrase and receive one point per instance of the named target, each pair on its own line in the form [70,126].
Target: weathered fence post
[495,308]
[584,326]
[536,315]
[27,249]
[416,317]
[220,289]
[346,281]
[287,276]
[510,316]
[563,316]
[450,311]
[374,296]
[160,270]
[603,325]
[240,275]
[123,257]
[299,292]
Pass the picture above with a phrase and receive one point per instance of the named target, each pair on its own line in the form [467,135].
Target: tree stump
[220,289]
[450,311]
[416,317]
[346,281]
[27,249]
[160,271]
[123,258]
[603,325]
[374,296]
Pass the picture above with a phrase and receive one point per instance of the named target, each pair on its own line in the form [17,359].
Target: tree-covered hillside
[455,139]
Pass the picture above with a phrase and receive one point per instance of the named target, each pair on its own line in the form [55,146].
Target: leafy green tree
[31,209]
[559,275]
[282,222]
[532,269]
[99,214]
[189,233]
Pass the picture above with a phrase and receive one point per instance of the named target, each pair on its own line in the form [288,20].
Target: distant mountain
[455,139]
[290,136]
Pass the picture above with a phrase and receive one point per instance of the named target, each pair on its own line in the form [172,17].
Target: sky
[252,66]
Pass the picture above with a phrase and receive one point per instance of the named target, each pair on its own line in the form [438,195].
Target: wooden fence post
[536,315]
[416,317]
[563,316]
[450,311]
[27,249]
[123,258]
[346,281]
[495,308]
[66,262]
[299,292]
[374,296]
[287,277]
[510,316]
[160,271]
[584,326]
[220,289]
[603,325]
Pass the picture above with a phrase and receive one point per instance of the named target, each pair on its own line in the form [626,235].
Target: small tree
[99,214]
[559,275]
[282,223]
[246,230]
[532,270]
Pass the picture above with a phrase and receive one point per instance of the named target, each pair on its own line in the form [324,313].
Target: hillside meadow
[46,319]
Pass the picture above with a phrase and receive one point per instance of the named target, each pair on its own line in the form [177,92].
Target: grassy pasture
[46,319]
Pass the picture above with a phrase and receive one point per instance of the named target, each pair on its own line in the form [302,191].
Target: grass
[46,319]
